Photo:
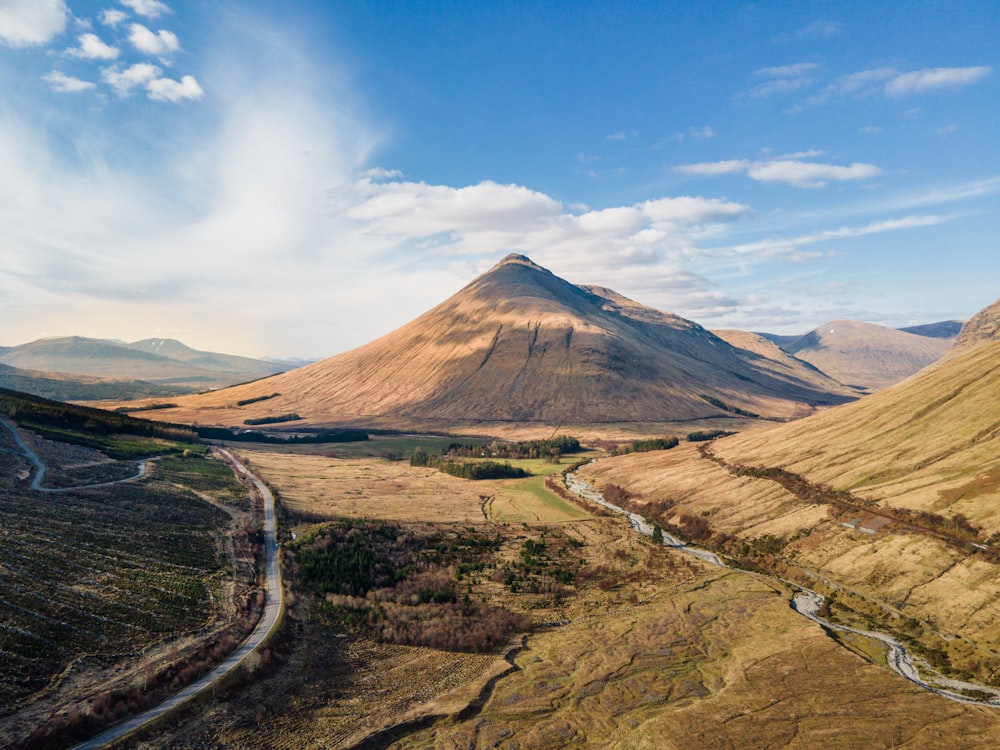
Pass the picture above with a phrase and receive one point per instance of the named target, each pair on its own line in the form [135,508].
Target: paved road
[267,624]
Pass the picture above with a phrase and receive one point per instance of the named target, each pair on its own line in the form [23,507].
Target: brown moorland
[889,503]
[645,647]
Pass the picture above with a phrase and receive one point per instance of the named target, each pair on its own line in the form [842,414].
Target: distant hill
[521,345]
[61,387]
[982,327]
[946,329]
[865,355]
[157,362]
[917,443]
[242,367]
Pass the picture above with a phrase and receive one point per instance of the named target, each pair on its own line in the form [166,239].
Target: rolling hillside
[521,345]
[866,355]
[931,442]
[158,362]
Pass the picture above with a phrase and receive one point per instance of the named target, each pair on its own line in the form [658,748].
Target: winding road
[265,627]
[806,603]
[267,624]
[36,483]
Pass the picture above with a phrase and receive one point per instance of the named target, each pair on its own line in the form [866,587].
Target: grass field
[646,648]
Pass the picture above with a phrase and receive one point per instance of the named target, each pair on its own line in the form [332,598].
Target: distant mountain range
[869,356]
[77,368]
[520,345]
[930,443]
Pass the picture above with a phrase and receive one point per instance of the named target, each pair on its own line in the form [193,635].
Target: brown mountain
[867,355]
[521,345]
[982,327]
[160,361]
[917,443]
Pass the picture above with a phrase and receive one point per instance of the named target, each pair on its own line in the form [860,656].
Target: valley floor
[643,647]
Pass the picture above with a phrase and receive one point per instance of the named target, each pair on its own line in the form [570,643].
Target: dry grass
[650,649]
[950,591]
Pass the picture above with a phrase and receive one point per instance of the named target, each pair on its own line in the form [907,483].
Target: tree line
[522,449]
[467,470]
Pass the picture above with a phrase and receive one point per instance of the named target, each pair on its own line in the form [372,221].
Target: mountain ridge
[519,344]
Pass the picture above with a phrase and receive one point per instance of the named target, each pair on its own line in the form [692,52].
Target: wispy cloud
[788,246]
[781,79]
[26,23]
[790,171]
[65,84]
[930,79]
[819,29]
[787,71]
[146,8]
[91,47]
[111,17]
[891,82]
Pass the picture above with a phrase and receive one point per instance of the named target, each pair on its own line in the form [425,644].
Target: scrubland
[633,646]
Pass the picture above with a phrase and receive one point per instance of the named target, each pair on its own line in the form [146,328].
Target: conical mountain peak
[524,260]
[521,345]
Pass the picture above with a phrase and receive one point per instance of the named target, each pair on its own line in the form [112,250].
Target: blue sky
[297,178]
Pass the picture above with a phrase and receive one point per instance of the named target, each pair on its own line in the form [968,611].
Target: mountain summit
[520,345]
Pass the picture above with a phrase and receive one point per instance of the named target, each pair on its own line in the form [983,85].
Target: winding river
[806,603]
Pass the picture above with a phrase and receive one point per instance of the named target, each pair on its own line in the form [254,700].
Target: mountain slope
[865,354]
[983,327]
[518,345]
[231,364]
[780,361]
[930,443]
[945,329]
[61,387]
[162,361]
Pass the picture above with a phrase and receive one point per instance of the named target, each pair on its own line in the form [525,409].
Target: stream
[806,603]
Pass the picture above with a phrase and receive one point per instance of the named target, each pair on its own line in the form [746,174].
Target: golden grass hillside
[930,443]
[646,648]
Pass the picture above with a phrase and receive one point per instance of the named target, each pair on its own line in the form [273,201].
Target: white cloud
[930,79]
[819,29]
[787,71]
[809,174]
[781,79]
[169,90]
[28,22]
[487,220]
[65,84]
[791,171]
[123,81]
[111,17]
[619,136]
[789,246]
[890,81]
[703,133]
[160,43]
[713,168]
[92,48]
[146,8]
